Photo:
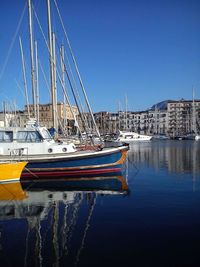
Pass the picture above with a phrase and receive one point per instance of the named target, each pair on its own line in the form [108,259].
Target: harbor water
[148,215]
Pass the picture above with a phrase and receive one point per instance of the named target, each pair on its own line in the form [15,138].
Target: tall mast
[24,75]
[37,82]
[78,73]
[63,81]
[54,77]
[126,107]
[32,56]
[119,115]
[4,111]
[193,112]
[51,65]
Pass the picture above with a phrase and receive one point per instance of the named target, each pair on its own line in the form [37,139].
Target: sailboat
[49,158]
[194,134]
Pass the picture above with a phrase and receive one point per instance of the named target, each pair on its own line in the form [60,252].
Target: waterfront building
[143,122]
[158,121]
[169,117]
[172,118]
[64,115]
[10,118]
[184,117]
[134,121]
[107,122]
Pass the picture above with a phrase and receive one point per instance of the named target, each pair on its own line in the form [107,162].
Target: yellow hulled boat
[11,171]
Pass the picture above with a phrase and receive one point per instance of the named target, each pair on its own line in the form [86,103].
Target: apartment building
[184,117]
[157,121]
[144,122]
[171,118]
[107,122]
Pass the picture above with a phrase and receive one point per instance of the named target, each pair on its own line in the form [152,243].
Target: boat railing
[17,153]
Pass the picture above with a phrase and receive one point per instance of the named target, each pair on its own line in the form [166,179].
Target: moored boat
[129,137]
[107,160]
[48,158]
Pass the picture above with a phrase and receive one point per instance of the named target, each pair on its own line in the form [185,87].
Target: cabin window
[28,136]
[6,136]
[46,134]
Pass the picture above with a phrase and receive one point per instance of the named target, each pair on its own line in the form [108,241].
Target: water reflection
[175,156]
[45,223]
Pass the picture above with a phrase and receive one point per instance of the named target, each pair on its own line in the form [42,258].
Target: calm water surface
[149,216]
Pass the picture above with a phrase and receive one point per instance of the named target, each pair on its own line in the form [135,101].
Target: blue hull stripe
[98,161]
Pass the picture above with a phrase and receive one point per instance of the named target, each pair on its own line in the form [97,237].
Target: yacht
[129,137]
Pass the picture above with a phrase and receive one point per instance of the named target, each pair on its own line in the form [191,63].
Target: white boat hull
[129,137]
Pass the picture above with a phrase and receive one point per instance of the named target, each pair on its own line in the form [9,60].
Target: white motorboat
[129,137]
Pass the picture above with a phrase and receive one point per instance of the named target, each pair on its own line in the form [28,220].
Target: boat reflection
[109,184]
[50,219]
[12,191]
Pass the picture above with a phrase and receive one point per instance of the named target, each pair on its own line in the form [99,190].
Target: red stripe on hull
[52,174]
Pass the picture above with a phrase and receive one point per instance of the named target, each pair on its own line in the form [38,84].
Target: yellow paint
[123,181]
[123,158]
[12,191]
[11,171]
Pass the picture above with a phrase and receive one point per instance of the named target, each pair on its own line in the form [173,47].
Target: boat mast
[193,113]
[53,95]
[24,75]
[4,111]
[37,82]
[126,107]
[119,113]
[32,56]
[78,73]
[62,53]
[55,88]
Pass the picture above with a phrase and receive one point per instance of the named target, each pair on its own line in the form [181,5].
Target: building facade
[174,118]
[184,117]
[65,115]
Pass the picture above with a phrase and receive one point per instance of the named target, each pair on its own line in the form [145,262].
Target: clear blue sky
[148,50]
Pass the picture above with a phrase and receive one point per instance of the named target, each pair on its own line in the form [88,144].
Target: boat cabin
[30,141]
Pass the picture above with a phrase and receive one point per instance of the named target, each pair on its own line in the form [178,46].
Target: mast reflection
[48,221]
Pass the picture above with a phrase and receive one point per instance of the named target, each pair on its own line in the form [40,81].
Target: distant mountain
[161,105]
